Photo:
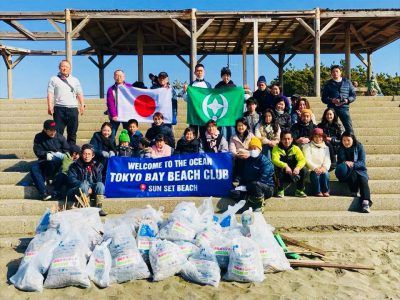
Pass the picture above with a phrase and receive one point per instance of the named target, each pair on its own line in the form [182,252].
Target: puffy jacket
[292,157]
[187,147]
[163,129]
[302,130]
[79,172]
[222,84]
[355,154]
[235,144]
[112,99]
[135,140]
[338,90]
[99,145]
[42,144]
[258,169]
[125,151]
[334,131]
[283,120]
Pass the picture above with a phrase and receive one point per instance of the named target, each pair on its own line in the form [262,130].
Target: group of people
[276,142]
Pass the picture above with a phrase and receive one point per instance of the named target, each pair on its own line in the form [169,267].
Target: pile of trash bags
[74,247]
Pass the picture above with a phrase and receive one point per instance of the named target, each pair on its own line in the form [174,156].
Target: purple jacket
[112,102]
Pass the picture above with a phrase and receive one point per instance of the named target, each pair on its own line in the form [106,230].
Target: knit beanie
[261,79]
[255,142]
[124,136]
[306,111]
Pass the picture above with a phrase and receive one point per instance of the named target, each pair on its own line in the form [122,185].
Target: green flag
[224,105]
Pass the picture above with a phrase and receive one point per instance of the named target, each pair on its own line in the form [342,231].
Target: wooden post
[281,64]
[100,59]
[369,67]
[255,53]
[244,59]
[193,43]
[347,52]
[317,52]
[140,40]
[9,77]
[68,37]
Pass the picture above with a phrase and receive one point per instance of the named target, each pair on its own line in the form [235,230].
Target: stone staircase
[376,121]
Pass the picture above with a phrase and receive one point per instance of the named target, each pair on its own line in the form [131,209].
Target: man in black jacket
[86,174]
[49,147]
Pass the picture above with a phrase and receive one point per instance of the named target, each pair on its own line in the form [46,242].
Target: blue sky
[32,74]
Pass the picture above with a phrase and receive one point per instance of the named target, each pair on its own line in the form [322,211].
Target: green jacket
[292,157]
[67,161]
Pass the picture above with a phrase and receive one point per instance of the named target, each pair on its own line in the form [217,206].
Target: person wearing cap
[49,147]
[338,93]
[289,164]
[200,82]
[275,94]
[351,168]
[261,94]
[163,82]
[112,100]
[226,131]
[124,149]
[318,162]
[65,101]
[251,114]
[61,178]
[301,131]
[85,174]
[258,177]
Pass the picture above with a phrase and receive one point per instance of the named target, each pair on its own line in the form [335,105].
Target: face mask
[254,153]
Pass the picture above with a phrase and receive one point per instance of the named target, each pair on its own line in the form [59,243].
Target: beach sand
[378,249]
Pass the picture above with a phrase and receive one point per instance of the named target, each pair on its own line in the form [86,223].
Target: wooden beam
[361,58]
[193,43]
[104,32]
[140,42]
[289,59]
[79,27]
[18,60]
[68,36]
[272,59]
[183,60]
[202,58]
[174,33]
[122,27]
[181,26]
[329,25]
[379,30]
[94,62]
[109,60]
[357,35]
[56,27]
[20,28]
[130,30]
[347,47]
[204,27]
[306,26]
[84,51]
[317,53]
[161,36]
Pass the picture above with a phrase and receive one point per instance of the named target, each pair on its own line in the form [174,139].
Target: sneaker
[319,195]
[280,193]
[300,193]
[326,194]
[365,207]
[45,196]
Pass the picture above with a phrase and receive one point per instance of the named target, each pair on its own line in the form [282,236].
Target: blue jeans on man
[42,170]
[344,116]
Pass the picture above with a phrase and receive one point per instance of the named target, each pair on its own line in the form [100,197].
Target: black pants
[356,182]
[284,179]
[258,189]
[67,117]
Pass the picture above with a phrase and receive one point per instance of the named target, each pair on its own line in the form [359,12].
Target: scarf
[212,140]
[320,145]
[107,144]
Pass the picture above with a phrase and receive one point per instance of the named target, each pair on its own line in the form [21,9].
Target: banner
[179,175]
[224,105]
[141,104]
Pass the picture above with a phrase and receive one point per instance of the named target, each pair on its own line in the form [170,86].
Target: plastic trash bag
[206,211]
[137,215]
[222,248]
[166,259]
[202,267]
[127,263]
[211,232]
[99,265]
[186,211]
[187,248]
[112,223]
[36,261]
[272,255]
[245,264]
[146,235]
[43,222]
[68,265]
[177,230]
[228,218]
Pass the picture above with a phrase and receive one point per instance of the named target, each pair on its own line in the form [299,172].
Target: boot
[99,204]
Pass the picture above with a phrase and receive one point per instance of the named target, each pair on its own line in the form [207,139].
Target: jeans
[43,169]
[115,125]
[356,182]
[98,188]
[227,132]
[320,183]
[67,117]
[344,116]
[258,189]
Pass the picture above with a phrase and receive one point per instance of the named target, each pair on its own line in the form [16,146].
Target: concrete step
[300,219]
[11,191]
[375,173]
[29,207]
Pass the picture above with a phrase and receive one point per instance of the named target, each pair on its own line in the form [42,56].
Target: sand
[378,249]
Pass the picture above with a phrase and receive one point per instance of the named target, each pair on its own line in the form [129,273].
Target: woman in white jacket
[318,163]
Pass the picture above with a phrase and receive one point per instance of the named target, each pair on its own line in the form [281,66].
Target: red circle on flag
[145,106]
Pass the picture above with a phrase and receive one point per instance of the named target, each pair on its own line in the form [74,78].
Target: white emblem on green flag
[224,105]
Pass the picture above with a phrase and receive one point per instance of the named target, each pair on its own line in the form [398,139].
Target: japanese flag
[141,104]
